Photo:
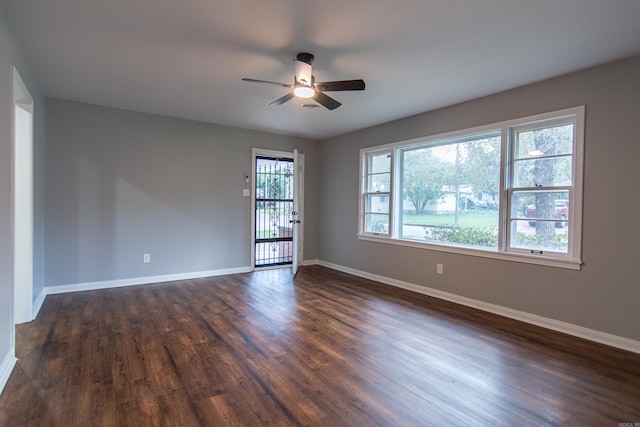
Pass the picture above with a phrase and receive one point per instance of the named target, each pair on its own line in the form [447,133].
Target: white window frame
[364,191]
[570,260]
[575,196]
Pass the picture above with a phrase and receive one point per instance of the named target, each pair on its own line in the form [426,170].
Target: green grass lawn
[474,219]
[267,234]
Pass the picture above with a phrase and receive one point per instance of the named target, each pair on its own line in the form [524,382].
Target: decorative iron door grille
[274,207]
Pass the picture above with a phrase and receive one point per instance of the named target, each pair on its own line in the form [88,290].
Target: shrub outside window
[511,190]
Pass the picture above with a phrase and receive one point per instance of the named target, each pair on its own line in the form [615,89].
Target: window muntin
[539,163]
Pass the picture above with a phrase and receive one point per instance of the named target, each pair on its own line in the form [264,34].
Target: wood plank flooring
[323,349]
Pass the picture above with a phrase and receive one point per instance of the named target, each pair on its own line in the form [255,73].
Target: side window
[377,193]
[542,193]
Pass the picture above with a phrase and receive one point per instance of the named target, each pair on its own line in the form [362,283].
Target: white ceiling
[186,58]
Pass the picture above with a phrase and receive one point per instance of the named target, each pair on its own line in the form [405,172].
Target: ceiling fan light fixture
[302,91]
[304,85]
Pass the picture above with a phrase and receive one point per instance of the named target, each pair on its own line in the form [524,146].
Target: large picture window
[450,191]
[507,190]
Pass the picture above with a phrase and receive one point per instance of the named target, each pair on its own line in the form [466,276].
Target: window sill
[527,259]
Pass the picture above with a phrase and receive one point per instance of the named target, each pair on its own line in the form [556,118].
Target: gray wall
[121,183]
[602,296]
[11,55]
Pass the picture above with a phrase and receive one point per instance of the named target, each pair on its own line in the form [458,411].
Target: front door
[274,210]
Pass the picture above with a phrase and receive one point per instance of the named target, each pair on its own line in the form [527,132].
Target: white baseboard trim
[106,284]
[310,262]
[37,304]
[6,367]
[556,325]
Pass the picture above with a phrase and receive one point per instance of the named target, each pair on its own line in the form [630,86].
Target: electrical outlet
[146,258]
[439,269]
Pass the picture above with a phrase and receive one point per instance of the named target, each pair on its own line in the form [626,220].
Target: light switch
[245,192]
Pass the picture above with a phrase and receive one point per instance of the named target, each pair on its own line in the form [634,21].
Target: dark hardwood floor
[325,348]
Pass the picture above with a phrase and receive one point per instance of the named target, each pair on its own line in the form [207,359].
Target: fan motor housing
[305,57]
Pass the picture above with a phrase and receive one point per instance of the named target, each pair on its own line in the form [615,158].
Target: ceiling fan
[305,86]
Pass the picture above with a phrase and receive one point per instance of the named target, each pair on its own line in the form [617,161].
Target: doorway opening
[276,212]
[22,201]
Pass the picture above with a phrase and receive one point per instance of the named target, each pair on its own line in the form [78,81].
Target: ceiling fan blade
[341,85]
[267,82]
[284,99]
[326,101]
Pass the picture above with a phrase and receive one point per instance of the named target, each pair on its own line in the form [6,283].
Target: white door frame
[22,202]
[257,152]
[296,218]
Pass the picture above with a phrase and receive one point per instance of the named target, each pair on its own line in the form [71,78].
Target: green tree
[476,164]
[423,178]
[482,165]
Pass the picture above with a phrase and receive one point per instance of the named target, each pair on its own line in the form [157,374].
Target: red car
[561,212]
